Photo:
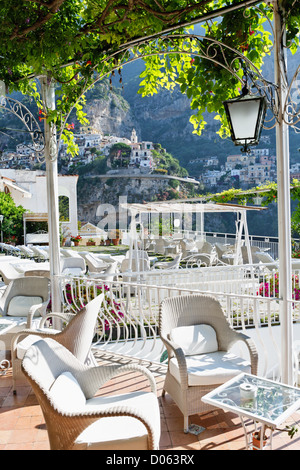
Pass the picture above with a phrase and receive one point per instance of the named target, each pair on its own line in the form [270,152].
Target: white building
[211,178]
[25,149]
[141,153]
[260,152]
[28,189]
[108,141]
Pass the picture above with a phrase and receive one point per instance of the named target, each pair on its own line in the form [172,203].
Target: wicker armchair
[77,336]
[75,418]
[198,337]
[24,303]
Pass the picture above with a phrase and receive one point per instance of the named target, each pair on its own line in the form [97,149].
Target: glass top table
[262,400]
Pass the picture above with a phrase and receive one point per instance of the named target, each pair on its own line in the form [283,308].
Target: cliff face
[96,194]
[109,113]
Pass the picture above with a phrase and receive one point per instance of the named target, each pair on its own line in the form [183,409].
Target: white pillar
[48,95]
[283,187]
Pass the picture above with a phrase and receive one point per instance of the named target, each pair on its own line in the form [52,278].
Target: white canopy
[180,207]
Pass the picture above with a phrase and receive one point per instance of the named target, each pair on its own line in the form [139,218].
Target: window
[64,208]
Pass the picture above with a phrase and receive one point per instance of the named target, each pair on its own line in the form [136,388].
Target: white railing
[264,243]
[128,321]
[269,243]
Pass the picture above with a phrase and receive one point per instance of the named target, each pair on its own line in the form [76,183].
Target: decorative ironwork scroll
[27,118]
[292,104]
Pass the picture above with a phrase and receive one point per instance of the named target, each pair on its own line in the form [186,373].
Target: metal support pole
[48,95]
[283,187]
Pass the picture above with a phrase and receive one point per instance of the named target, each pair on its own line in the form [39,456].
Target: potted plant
[256,436]
[76,240]
[90,242]
[114,235]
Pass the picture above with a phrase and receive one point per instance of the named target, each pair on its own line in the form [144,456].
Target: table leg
[245,432]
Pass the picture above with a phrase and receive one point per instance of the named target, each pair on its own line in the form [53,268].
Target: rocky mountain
[164,117]
[109,112]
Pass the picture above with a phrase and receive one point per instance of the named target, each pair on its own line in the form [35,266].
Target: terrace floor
[22,426]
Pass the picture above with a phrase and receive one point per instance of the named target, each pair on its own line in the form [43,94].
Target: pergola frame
[136,210]
[282,147]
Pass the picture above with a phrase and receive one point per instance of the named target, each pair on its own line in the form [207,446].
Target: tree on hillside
[119,154]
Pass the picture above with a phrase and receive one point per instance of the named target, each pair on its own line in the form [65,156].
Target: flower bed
[270,287]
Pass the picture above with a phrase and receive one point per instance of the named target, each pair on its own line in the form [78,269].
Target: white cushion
[211,369]
[23,345]
[195,339]
[120,432]
[66,393]
[20,305]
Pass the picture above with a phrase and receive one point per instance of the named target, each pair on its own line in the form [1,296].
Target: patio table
[264,401]
[5,326]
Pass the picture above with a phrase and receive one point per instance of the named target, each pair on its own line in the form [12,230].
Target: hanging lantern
[245,115]
[257,200]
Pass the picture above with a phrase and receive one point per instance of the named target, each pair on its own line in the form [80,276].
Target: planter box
[90,243]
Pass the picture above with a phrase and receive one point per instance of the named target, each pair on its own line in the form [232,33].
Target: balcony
[132,335]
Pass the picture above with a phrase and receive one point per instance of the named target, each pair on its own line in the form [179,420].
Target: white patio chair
[198,339]
[69,253]
[134,265]
[24,302]
[199,260]
[27,252]
[174,264]
[222,250]
[8,272]
[11,249]
[77,336]
[267,260]
[254,250]
[160,245]
[40,254]
[72,266]
[188,248]
[95,265]
[109,274]
[76,419]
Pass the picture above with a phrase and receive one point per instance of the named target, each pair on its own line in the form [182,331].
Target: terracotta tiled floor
[22,426]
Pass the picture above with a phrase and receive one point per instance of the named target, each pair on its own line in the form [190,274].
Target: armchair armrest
[26,332]
[252,351]
[175,350]
[238,336]
[59,315]
[36,309]
[91,379]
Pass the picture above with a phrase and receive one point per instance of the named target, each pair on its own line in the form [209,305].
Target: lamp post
[245,116]
[283,195]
